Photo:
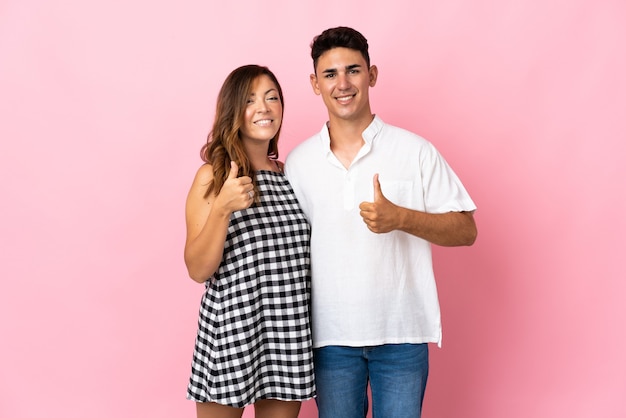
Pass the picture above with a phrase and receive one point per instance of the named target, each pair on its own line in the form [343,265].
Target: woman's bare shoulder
[202,180]
[204,176]
[205,172]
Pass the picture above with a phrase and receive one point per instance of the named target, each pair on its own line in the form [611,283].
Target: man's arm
[445,229]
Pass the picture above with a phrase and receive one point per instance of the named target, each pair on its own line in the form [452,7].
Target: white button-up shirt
[371,289]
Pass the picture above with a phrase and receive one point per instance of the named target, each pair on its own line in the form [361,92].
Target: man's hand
[380,216]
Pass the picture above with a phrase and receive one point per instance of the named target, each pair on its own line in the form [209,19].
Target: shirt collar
[368,134]
[372,130]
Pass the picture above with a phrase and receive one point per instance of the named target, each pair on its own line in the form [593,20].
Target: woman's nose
[262,107]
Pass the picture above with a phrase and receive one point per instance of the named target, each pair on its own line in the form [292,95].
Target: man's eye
[330,75]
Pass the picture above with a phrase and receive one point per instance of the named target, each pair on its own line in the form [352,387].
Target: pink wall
[103,108]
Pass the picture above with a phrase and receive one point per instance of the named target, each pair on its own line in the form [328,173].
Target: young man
[376,196]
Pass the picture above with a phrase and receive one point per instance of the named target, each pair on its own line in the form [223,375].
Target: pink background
[105,104]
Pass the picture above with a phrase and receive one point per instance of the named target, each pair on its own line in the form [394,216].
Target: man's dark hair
[339,37]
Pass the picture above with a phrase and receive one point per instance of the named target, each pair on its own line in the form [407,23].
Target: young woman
[248,242]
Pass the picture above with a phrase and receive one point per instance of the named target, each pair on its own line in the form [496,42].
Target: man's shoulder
[304,147]
[402,135]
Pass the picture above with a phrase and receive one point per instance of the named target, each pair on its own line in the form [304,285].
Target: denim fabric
[397,374]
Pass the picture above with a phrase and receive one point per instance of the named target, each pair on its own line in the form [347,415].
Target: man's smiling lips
[345,99]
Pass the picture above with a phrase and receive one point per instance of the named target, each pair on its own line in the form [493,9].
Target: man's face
[343,80]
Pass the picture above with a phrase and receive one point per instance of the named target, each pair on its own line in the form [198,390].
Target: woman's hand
[237,192]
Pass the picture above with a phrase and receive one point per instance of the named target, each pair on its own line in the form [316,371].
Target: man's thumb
[378,193]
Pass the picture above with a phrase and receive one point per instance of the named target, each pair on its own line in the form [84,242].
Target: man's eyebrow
[348,68]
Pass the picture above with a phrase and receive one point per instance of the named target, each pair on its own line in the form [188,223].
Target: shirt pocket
[399,192]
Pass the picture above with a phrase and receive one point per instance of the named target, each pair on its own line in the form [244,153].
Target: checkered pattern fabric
[254,339]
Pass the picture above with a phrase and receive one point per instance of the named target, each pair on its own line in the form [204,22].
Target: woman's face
[264,111]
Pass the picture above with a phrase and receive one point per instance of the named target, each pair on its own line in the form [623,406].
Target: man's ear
[373,72]
[313,80]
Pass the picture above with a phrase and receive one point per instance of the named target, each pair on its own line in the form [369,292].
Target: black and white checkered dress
[254,339]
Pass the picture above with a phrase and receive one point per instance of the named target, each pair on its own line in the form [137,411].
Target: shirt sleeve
[443,190]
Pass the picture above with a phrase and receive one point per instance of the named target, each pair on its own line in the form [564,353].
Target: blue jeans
[397,374]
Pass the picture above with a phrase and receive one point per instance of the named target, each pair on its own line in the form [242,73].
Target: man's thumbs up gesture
[380,216]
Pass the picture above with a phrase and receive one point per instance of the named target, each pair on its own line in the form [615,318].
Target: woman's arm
[207,219]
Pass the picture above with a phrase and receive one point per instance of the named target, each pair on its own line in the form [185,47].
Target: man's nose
[342,82]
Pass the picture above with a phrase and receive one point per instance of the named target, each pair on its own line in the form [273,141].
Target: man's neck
[346,138]
[347,132]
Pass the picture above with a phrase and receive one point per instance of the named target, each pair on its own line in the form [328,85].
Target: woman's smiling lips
[263,122]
